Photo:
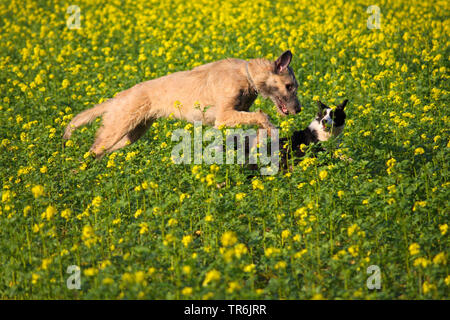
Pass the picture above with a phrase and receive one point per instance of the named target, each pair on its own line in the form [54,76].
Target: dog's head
[280,85]
[331,120]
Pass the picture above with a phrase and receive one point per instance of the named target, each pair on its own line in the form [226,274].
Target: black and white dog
[328,123]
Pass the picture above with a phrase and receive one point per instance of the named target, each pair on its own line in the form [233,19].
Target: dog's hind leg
[124,124]
[114,128]
[132,136]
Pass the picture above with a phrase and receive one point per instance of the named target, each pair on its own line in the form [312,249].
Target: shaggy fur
[217,93]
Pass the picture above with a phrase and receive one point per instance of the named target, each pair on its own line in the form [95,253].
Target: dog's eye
[289,87]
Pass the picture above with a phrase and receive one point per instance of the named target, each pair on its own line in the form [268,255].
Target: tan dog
[217,93]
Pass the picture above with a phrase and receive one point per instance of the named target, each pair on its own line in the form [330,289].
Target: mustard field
[135,225]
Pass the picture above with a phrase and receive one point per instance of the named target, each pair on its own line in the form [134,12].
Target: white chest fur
[323,135]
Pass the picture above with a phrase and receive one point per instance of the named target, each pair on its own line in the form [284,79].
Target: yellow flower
[257,184]
[88,236]
[285,234]
[390,165]
[104,264]
[300,253]
[186,269]
[419,151]
[249,268]
[97,201]
[37,227]
[90,272]
[212,275]
[443,228]
[110,163]
[447,280]
[7,196]
[144,227]
[228,239]
[26,210]
[65,83]
[139,276]
[420,204]
[240,196]
[172,222]
[427,287]
[340,194]
[421,262]
[233,286]
[301,185]
[184,196]
[138,213]
[323,174]
[239,250]
[271,251]
[414,249]
[196,169]
[34,278]
[317,296]
[69,143]
[209,179]
[440,258]
[280,265]
[187,291]
[153,185]
[352,229]
[66,213]
[87,154]
[353,250]
[186,240]
[46,263]
[169,238]
[49,213]
[37,191]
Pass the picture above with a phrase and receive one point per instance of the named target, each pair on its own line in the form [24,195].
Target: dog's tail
[85,117]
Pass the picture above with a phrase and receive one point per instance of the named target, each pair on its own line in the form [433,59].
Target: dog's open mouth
[281,106]
[326,127]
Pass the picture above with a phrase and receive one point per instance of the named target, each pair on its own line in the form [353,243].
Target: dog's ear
[283,62]
[342,105]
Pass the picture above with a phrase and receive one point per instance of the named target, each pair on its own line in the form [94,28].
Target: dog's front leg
[231,118]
